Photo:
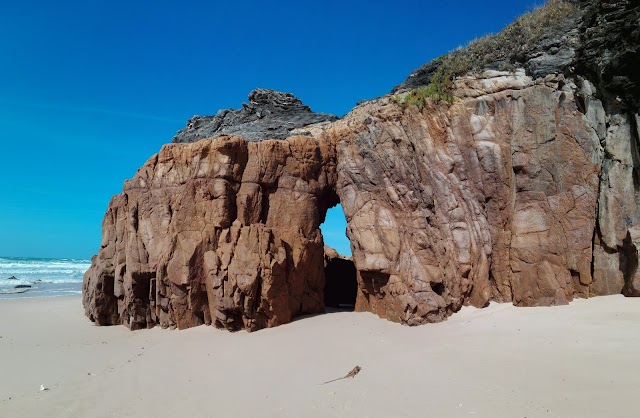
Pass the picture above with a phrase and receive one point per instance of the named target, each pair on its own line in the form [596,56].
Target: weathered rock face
[523,190]
[492,198]
[609,52]
[220,231]
[268,115]
[617,236]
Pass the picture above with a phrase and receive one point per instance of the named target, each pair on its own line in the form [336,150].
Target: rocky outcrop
[492,198]
[609,51]
[608,55]
[544,41]
[617,237]
[220,231]
[599,40]
[268,115]
[523,189]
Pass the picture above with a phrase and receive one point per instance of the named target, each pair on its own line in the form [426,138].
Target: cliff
[469,183]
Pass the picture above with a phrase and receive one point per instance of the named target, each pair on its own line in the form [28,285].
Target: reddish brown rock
[491,198]
[219,231]
[521,190]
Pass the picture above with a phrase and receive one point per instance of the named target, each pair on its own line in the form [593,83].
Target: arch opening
[341,283]
[334,231]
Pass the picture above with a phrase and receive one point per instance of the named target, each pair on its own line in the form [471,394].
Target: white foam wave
[41,266]
[10,284]
[20,271]
[38,281]
[30,270]
[30,295]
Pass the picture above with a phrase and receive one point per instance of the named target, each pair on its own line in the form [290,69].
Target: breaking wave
[19,275]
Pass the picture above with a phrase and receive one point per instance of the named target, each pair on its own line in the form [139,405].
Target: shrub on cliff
[500,51]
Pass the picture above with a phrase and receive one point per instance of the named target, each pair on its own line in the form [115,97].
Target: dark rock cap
[269,114]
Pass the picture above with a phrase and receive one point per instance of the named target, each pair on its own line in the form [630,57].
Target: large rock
[524,189]
[220,231]
[492,198]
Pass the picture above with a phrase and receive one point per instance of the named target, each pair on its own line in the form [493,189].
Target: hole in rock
[438,288]
[341,284]
[334,231]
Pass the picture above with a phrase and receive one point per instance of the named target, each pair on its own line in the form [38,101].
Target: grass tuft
[505,48]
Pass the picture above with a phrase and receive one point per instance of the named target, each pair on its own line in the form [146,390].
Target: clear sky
[90,89]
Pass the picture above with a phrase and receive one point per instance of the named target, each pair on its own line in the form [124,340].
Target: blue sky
[90,89]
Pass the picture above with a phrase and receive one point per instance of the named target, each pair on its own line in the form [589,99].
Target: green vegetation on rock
[501,50]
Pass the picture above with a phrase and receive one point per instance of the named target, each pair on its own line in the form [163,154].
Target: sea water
[47,277]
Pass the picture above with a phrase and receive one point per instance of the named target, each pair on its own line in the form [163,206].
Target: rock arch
[491,198]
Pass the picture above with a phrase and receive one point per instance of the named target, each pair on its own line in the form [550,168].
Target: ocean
[41,277]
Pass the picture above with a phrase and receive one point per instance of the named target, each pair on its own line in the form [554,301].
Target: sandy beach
[571,361]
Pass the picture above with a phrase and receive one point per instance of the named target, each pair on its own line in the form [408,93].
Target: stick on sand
[352,373]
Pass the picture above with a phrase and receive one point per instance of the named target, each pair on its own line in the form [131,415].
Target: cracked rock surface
[523,190]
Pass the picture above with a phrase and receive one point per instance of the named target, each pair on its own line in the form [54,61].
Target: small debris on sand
[352,373]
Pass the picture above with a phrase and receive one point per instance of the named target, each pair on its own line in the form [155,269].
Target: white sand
[577,360]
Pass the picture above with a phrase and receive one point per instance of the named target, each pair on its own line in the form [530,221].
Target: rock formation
[220,231]
[522,188]
[268,115]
